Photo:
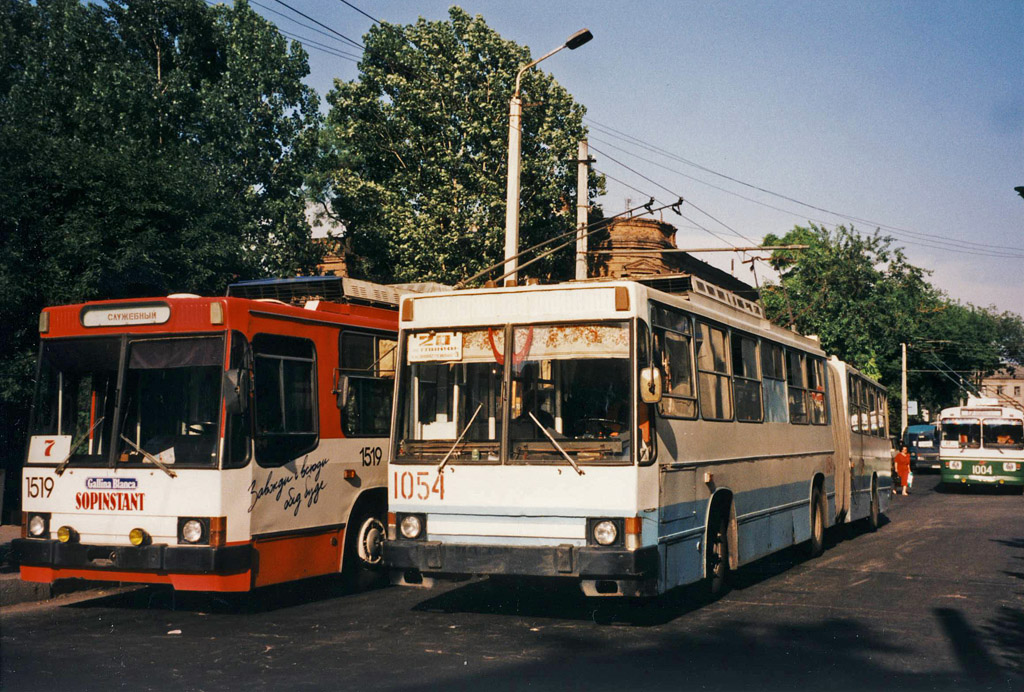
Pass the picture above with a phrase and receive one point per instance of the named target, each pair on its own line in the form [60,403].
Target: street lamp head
[578,39]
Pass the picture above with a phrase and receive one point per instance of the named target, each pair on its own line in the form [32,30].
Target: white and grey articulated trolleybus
[215,444]
[630,438]
[982,443]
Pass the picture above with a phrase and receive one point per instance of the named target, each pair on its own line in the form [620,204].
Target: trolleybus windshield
[170,405]
[1003,433]
[962,433]
[570,390]
[568,394]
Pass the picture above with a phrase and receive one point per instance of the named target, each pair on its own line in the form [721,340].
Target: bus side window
[713,369]
[285,395]
[776,409]
[239,426]
[797,380]
[746,378]
[674,357]
[819,405]
[854,404]
[368,361]
[647,438]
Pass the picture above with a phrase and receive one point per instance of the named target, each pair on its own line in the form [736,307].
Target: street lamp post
[515,117]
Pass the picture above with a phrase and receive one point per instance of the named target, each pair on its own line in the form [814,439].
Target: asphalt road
[933,600]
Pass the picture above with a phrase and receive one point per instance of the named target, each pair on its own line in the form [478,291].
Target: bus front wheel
[364,551]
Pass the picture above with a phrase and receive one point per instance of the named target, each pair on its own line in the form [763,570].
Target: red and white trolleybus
[215,444]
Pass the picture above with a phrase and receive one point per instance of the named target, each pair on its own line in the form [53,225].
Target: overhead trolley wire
[357,44]
[971,247]
[331,36]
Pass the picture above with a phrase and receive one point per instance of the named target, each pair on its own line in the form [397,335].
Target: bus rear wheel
[816,544]
[874,517]
[716,580]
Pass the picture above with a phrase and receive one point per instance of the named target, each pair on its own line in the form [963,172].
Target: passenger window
[854,403]
[239,425]
[776,407]
[673,355]
[797,385]
[285,386]
[816,391]
[746,378]
[368,360]
[647,438]
[713,369]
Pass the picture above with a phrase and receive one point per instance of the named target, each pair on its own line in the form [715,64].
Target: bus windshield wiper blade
[67,460]
[555,443]
[440,467]
[150,458]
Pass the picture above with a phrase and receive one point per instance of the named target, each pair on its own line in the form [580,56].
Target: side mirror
[650,385]
[235,389]
[341,385]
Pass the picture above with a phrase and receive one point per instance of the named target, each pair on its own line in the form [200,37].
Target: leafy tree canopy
[418,152]
[862,297]
[145,147]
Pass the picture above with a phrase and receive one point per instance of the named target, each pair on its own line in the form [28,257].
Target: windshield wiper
[555,443]
[150,458]
[67,460]
[440,467]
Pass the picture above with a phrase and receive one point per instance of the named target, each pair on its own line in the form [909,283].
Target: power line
[357,44]
[961,245]
[303,25]
[345,2]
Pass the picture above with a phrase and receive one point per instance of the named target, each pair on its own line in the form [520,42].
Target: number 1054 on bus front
[408,485]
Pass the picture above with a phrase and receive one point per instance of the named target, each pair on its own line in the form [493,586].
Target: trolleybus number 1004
[409,484]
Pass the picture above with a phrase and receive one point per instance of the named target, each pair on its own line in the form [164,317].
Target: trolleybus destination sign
[435,346]
[134,314]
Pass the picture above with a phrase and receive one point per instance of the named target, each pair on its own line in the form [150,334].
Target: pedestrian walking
[902,461]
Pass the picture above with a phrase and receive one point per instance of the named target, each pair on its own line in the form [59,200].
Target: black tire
[716,555]
[816,543]
[364,550]
[875,514]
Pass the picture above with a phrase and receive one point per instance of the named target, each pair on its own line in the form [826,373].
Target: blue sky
[904,114]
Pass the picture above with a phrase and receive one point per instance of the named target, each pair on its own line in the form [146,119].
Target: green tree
[145,147]
[862,297]
[418,148]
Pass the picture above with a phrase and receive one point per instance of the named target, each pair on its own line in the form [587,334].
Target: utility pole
[582,209]
[903,408]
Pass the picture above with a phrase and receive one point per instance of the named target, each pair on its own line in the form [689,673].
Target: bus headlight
[411,526]
[1009,466]
[38,525]
[192,531]
[605,532]
[955,465]
[66,534]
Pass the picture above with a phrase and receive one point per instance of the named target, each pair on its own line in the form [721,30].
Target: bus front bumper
[635,570]
[35,552]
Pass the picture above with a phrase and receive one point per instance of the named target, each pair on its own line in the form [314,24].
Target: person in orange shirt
[902,462]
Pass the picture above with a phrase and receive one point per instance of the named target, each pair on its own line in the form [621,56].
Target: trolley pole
[903,406]
[582,209]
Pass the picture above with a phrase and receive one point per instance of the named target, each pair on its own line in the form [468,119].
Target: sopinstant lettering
[110,502]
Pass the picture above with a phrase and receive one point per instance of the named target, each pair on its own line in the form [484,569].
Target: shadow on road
[266,599]
[834,654]
[562,598]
